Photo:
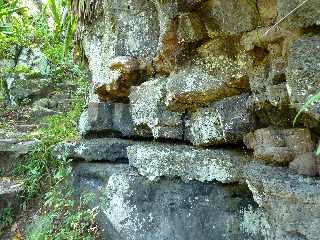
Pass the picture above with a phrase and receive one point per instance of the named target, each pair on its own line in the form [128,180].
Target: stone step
[155,160]
[289,204]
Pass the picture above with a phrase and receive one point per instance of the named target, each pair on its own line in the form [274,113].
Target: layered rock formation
[187,96]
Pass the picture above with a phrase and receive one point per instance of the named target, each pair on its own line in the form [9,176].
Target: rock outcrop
[189,130]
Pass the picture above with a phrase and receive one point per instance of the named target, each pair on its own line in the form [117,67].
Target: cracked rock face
[163,160]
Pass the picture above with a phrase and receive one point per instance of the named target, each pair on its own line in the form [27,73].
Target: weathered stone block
[279,145]
[290,203]
[149,113]
[100,149]
[121,32]
[204,81]
[230,17]
[221,122]
[106,119]
[303,73]
[188,163]
[12,151]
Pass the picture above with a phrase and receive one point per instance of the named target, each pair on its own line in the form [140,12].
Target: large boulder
[221,122]
[188,163]
[279,146]
[289,204]
[149,113]
[303,73]
[134,208]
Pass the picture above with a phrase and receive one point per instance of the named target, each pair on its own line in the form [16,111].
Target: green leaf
[318,150]
[310,101]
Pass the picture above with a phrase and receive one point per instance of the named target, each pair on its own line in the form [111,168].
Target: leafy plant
[310,102]
[7,10]
[6,218]
[63,217]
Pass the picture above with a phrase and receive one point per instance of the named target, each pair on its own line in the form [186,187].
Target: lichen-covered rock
[279,145]
[100,149]
[106,119]
[24,88]
[230,17]
[149,113]
[303,73]
[137,209]
[190,28]
[120,33]
[307,164]
[33,60]
[306,16]
[289,203]
[206,80]
[188,163]
[221,122]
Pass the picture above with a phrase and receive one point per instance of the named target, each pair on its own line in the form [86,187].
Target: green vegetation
[6,218]
[45,178]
